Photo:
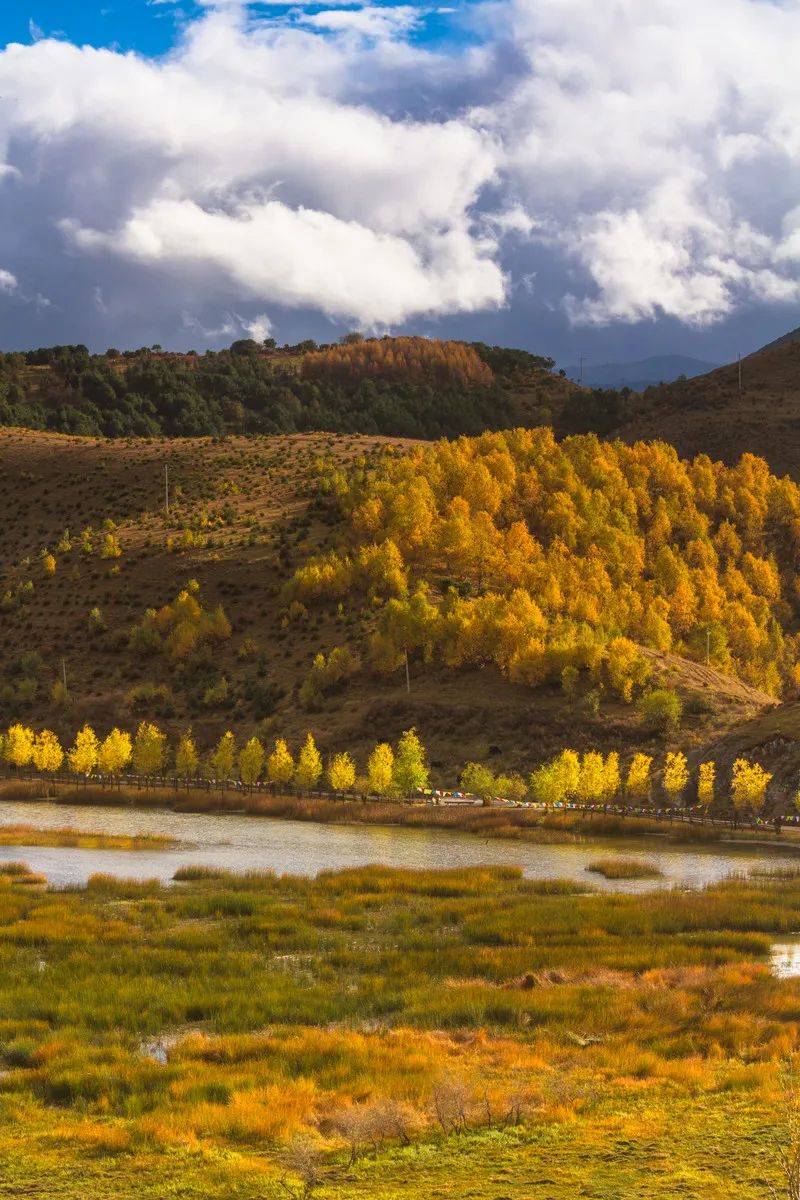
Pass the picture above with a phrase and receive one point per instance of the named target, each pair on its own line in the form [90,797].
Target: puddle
[785,958]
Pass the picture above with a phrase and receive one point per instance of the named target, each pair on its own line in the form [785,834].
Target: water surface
[242,843]
[785,958]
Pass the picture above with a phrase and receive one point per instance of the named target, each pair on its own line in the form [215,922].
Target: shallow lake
[241,843]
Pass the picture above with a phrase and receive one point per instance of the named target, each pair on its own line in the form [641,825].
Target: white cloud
[259,328]
[655,150]
[8,283]
[307,258]
[237,157]
[372,21]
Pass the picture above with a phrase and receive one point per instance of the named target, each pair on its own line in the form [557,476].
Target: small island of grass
[29,835]
[19,874]
[625,868]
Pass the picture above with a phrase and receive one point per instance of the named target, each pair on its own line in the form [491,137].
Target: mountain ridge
[639,374]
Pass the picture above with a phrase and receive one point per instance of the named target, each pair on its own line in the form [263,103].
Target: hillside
[400,387]
[711,415]
[245,515]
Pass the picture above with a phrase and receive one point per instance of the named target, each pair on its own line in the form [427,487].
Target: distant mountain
[664,368]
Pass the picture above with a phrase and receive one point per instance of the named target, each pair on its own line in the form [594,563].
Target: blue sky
[152,28]
[611,180]
[130,24]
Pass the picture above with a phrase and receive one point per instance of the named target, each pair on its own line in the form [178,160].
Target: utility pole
[166,487]
[708,647]
[408,674]
[740,373]
[64,673]
[583,360]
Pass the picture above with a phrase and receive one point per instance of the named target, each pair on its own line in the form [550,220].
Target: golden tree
[676,776]
[637,784]
[251,761]
[187,760]
[546,786]
[280,764]
[18,746]
[115,752]
[380,769]
[568,773]
[149,749]
[83,755]
[341,773]
[592,777]
[309,765]
[705,784]
[749,782]
[110,547]
[223,756]
[47,752]
[611,776]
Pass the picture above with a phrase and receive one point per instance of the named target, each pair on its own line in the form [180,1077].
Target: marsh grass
[371,1008]
[625,868]
[29,835]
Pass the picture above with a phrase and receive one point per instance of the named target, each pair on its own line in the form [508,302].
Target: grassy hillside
[711,415]
[245,515]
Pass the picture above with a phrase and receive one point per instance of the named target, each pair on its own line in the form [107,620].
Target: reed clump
[625,868]
[29,835]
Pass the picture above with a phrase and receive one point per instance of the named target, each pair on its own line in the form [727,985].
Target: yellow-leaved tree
[83,755]
[115,753]
[592,777]
[309,765]
[705,784]
[149,749]
[637,784]
[47,752]
[676,775]
[749,782]
[251,761]
[380,769]
[410,767]
[341,773]
[110,547]
[611,776]
[558,781]
[18,746]
[187,760]
[223,756]
[280,764]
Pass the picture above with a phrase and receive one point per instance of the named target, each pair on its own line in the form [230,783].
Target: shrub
[661,711]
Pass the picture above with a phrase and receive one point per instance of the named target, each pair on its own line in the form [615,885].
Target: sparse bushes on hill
[178,629]
[328,673]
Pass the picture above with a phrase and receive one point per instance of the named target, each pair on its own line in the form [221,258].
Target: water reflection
[786,959]
[239,843]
